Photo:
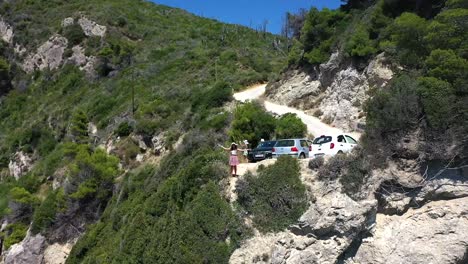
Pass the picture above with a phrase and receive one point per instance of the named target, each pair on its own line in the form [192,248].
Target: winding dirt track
[314,125]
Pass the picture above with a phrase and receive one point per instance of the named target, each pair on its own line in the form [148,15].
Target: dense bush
[407,34]
[92,173]
[395,108]
[276,197]
[350,170]
[79,127]
[290,126]
[318,33]
[184,209]
[44,215]
[124,129]
[251,122]
[14,233]
[438,101]
[446,65]
[360,45]
[316,163]
[22,196]
[74,34]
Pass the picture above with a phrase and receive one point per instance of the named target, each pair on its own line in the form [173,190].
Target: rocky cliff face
[412,209]
[50,55]
[400,218]
[335,91]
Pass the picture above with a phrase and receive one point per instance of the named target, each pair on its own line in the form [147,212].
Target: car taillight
[310,148]
[332,145]
[273,150]
[294,149]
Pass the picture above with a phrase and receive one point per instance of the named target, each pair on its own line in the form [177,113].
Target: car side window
[341,139]
[351,140]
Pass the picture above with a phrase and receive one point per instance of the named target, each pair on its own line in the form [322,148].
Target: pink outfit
[233,160]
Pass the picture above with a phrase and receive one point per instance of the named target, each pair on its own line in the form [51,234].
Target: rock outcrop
[20,164]
[6,31]
[434,233]
[322,234]
[34,249]
[91,28]
[401,217]
[335,91]
[48,56]
[29,251]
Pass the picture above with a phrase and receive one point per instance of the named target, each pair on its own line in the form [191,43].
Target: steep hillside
[82,162]
[396,71]
[111,113]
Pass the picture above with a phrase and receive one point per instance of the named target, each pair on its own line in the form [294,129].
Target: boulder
[29,251]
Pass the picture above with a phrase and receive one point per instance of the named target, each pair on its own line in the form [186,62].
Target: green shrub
[79,127]
[355,173]
[92,173]
[290,126]
[124,129]
[216,96]
[74,34]
[394,108]
[146,126]
[316,163]
[4,191]
[127,150]
[318,33]
[457,4]
[446,65]
[14,233]
[22,196]
[438,100]
[408,32]
[296,53]
[359,44]
[276,197]
[217,121]
[251,122]
[44,215]
[333,169]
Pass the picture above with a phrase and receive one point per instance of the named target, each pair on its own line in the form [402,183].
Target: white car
[332,145]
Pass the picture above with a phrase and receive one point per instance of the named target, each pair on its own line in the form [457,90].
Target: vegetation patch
[276,198]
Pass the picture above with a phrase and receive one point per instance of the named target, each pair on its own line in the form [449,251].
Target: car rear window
[267,144]
[322,140]
[285,143]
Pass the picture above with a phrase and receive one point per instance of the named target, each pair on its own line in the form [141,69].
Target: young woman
[233,159]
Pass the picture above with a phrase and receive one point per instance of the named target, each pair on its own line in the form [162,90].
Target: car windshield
[285,143]
[266,144]
[322,140]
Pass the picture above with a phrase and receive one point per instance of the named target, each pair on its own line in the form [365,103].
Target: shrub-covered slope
[180,69]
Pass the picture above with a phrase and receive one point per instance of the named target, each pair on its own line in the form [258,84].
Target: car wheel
[302,156]
[340,152]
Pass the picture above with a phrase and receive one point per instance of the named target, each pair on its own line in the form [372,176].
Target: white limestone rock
[434,233]
[48,56]
[91,28]
[20,164]
[6,31]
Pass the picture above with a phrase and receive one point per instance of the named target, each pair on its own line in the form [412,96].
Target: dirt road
[314,125]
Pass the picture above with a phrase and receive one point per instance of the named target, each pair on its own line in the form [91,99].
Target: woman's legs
[235,170]
[232,170]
